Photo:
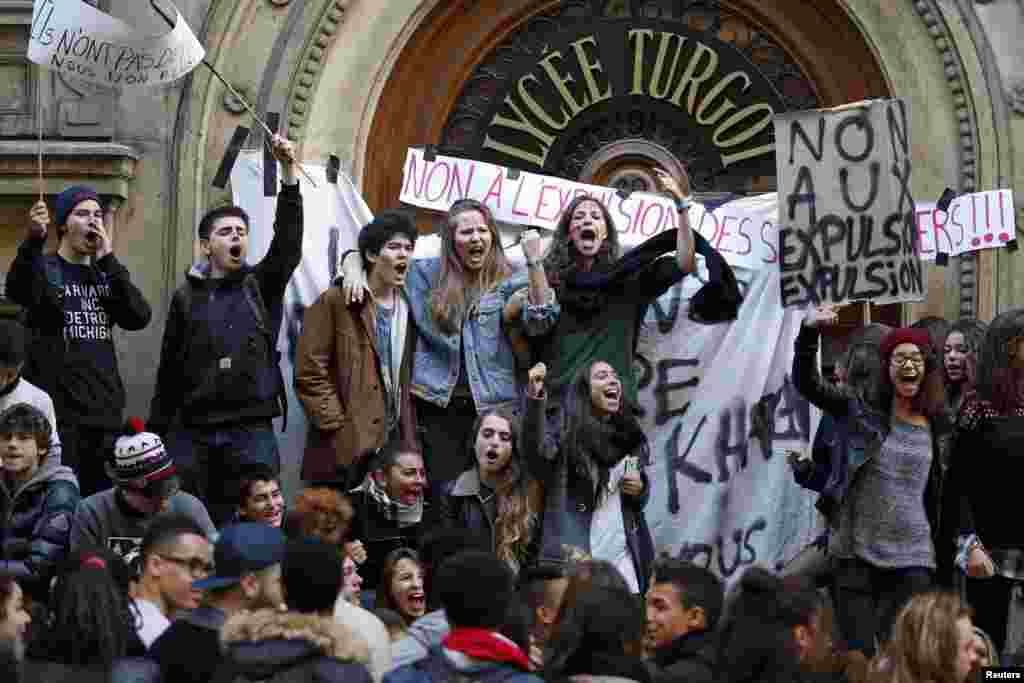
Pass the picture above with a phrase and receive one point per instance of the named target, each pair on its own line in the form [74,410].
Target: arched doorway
[603,90]
[547,86]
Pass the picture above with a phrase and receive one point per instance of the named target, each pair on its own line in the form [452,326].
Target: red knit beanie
[904,335]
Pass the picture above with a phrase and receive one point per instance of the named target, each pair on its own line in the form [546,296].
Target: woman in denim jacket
[883,488]
[464,363]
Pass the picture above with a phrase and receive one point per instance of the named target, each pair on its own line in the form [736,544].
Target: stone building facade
[590,89]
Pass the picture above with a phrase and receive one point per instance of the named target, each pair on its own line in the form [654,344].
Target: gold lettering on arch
[544,101]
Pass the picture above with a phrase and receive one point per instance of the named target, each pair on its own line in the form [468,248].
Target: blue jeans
[213,460]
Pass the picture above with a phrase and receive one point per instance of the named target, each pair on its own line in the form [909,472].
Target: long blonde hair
[518,498]
[925,640]
[448,301]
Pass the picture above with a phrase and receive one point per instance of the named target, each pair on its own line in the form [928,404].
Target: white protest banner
[971,222]
[79,40]
[718,496]
[529,198]
[720,409]
[745,232]
[846,217]
[742,230]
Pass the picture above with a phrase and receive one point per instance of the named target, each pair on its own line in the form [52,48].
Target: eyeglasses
[196,566]
[899,360]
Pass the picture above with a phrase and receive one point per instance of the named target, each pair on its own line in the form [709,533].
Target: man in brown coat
[354,361]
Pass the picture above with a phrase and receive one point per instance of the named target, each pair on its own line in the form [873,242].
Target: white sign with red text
[527,198]
[743,230]
[981,220]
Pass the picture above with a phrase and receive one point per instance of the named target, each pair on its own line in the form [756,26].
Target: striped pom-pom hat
[141,461]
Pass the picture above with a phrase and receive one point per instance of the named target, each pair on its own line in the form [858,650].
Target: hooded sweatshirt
[267,645]
[218,362]
[37,519]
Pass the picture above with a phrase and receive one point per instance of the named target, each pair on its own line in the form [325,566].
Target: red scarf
[489,646]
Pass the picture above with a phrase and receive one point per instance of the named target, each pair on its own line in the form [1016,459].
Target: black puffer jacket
[36,527]
[690,658]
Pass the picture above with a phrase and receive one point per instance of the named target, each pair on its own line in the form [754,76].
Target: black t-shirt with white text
[91,384]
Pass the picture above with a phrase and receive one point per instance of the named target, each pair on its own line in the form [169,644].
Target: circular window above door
[629,165]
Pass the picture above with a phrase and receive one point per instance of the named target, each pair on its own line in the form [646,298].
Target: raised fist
[535,383]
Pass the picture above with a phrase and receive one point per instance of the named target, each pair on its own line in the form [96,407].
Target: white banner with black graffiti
[721,411]
[718,404]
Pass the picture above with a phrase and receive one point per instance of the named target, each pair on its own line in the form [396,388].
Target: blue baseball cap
[243,549]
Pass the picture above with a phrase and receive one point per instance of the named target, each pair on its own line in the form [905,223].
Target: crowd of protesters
[475,499]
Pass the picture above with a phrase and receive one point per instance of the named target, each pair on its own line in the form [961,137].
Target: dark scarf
[10,387]
[684,647]
[717,301]
[609,442]
[606,444]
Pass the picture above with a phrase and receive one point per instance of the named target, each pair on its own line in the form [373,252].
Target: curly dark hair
[561,259]
[930,400]
[91,621]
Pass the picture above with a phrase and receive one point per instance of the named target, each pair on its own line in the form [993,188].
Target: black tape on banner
[333,166]
[429,152]
[1011,245]
[269,162]
[947,196]
[512,173]
[230,157]
[941,258]
[623,193]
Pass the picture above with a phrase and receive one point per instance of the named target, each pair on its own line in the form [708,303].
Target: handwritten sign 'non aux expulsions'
[847,223]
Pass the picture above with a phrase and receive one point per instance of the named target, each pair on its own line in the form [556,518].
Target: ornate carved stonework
[311,66]
[1015,96]
[930,13]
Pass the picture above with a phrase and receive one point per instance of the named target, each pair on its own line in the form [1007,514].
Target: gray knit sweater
[883,520]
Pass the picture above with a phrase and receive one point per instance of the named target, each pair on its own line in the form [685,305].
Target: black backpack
[253,297]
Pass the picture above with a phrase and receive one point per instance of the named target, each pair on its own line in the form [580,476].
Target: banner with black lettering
[79,40]
[846,216]
[719,407]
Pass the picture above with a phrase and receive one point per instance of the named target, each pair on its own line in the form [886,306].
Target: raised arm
[684,235]
[539,445]
[285,250]
[806,375]
[26,268]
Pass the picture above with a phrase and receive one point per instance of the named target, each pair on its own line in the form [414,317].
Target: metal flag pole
[156,4]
